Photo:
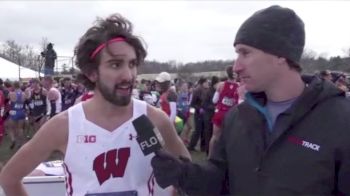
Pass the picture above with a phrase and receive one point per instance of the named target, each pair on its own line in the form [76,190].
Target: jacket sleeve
[204,178]
[342,152]
[207,178]
[208,101]
[343,177]
[195,102]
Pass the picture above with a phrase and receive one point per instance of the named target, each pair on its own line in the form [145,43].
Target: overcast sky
[184,31]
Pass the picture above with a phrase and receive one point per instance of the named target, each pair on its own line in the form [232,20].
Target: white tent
[12,71]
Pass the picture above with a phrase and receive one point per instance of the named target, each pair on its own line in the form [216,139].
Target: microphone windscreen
[148,137]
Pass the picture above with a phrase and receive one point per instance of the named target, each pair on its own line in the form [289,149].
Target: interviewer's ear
[281,61]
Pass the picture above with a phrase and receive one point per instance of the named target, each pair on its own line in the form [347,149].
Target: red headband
[100,47]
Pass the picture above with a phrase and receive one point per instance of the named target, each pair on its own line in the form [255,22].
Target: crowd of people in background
[196,108]
[28,105]
[263,131]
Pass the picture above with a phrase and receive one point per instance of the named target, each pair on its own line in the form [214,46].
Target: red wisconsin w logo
[107,164]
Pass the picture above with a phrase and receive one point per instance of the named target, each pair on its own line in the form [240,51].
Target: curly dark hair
[229,72]
[103,30]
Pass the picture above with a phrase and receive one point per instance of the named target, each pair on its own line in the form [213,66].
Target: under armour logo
[132,137]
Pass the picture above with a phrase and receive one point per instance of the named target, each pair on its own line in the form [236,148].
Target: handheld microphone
[148,137]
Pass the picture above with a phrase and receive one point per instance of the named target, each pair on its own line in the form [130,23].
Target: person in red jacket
[168,97]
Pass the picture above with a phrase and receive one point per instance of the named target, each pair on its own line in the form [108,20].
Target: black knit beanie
[275,30]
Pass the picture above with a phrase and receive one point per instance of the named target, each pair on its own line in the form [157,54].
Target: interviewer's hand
[168,170]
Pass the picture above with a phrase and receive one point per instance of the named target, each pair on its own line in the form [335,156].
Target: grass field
[5,152]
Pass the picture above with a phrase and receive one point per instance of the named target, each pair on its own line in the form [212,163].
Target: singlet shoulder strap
[76,114]
[139,108]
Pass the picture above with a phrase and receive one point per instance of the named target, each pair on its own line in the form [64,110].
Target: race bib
[38,103]
[68,101]
[227,101]
[12,112]
[122,193]
[18,106]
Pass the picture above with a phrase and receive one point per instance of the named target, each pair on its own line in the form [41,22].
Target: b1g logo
[86,139]
[111,164]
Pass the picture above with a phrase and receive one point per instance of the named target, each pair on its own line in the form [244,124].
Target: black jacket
[198,98]
[307,154]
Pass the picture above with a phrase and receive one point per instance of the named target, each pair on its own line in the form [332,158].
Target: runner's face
[67,83]
[116,73]
[35,85]
[184,87]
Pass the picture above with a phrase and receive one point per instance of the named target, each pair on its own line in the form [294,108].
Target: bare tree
[12,51]
[183,73]
[43,43]
[308,54]
[30,58]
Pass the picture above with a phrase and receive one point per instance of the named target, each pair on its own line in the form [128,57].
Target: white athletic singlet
[98,161]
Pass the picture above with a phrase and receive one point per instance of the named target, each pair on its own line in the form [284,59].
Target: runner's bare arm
[27,93]
[173,143]
[52,95]
[78,100]
[44,91]
[220,87]
[53,135]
